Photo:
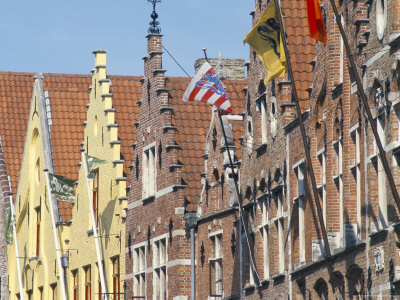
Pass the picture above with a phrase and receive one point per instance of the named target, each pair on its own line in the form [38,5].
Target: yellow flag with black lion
[266,40]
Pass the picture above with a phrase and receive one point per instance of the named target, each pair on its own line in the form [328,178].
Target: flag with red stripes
[206,87]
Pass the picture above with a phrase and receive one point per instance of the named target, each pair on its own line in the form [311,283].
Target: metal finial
[154,28]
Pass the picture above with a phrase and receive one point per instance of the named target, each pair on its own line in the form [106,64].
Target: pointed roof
[68,95]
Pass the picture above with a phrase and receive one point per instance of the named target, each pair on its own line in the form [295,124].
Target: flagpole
[239,196]
[363,97]
[94,228]
[53,226]
[21,291]
[303,131]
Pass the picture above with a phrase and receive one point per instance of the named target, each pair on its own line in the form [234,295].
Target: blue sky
[59,36]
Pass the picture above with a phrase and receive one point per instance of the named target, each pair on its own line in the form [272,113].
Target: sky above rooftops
[59,36]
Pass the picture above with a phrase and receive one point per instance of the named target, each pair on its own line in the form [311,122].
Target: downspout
[191,221]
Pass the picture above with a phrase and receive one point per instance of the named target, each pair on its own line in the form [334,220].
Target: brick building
[359,211]
[165,181]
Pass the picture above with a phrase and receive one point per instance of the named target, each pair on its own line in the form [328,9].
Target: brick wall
[162,214]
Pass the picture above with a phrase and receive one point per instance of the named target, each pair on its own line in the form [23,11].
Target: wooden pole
[303,131]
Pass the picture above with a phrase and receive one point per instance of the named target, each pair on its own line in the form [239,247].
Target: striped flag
[206,87]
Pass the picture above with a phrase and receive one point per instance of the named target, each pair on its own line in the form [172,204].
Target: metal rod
[94,227]
[303,131]
[363,97]
[235,178]
[56,242]
[192,266]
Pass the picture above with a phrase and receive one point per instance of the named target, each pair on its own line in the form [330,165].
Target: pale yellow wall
[73,237]
[38,272]
[111,214]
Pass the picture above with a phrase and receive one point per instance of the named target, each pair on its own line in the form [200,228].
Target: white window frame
[149,167]
[277,195]
[160,261]
[216,263]
[338,179]
[139,269]
[356,170]
[264,231]
[264,120]
[341,60]
[299,169]
[381,176]
[321,157]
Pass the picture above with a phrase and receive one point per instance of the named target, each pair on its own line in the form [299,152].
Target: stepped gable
[126,92]
[193,121]
[15,99]
[68,95]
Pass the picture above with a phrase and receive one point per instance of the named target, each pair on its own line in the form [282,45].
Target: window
[37,210]
[263,109]
[278,198]
[355,168]
[75,284]
[88,282]
[53,288]
[380,124]
[216,266]
[96,196]
[249,141]
[338,147]
[149,172]
[160,269]
[381,18]
[264,231]
[272,117]
[99,289]
[341,61]
[116,278]
[299,171]
[321,156]
[139,270]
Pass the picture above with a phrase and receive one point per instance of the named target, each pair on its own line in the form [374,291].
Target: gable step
[106,95]
[170,128]
[166,108]
[112,125]
[104,80]
[84,123]
[123,198]
[169,147]
[152,53]
[115,142]
[87,105]
[112,109]
[175,166]
[156,71]
[162,90]
[360,22]
[120,179]
[119,161]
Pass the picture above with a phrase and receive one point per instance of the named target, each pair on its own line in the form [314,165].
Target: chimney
[226,68]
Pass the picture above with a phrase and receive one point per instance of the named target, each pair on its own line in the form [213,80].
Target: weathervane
[154,28]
